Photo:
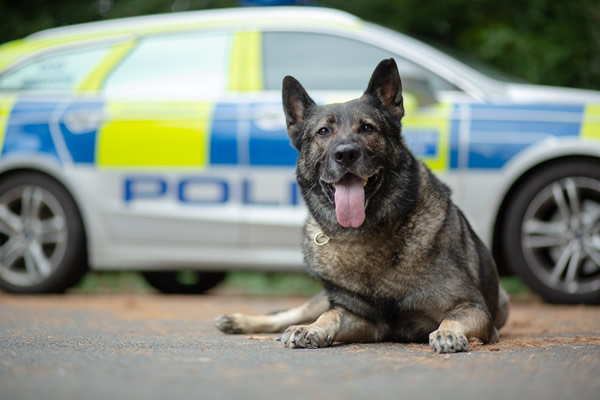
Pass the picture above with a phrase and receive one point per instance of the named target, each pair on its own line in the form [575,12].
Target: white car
[158,144]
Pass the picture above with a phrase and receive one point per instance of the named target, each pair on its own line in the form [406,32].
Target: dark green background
[552,42]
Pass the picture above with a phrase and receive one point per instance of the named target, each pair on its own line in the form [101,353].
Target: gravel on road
[165,347]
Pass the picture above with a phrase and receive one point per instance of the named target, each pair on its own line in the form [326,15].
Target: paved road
[158,347]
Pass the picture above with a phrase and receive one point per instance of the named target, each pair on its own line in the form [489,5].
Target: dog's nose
[346,153]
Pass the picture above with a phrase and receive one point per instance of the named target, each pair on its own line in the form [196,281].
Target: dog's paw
[305,336]
[230,323]
[448,341]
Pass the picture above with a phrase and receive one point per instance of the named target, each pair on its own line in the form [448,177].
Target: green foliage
[253,283]
[514,286]
[272,283]
[542,41]
[97,282]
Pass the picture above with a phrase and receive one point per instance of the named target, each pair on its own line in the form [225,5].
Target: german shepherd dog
[397,259]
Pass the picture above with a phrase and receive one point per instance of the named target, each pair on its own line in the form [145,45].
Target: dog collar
[321,238]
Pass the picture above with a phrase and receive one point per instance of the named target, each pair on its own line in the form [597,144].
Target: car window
[62,71]
[178,64]
[328,62]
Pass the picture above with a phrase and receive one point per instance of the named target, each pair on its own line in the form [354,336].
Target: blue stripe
[498,133]
[532,130]
[454,138]
[28,131]
[503,108]
[422,142]
[495,138]
[223,136]
[271,148]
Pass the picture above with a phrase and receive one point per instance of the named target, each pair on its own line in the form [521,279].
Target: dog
[397,259]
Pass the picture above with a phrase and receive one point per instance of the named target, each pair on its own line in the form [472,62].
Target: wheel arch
[520,171]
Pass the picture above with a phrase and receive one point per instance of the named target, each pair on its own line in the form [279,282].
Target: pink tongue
[350,201]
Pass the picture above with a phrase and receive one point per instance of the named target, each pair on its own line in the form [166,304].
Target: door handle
[83,121]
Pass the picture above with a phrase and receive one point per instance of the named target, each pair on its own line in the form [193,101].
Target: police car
[158,144]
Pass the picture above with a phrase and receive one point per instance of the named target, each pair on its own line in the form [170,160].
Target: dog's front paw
[306,336]
[448,341]
[230,323]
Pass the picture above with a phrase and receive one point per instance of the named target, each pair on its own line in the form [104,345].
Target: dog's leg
[467,321]
[275,322]
[335,325]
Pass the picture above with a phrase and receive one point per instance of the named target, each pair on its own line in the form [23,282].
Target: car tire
[183,282]
[42,238]
[551,232]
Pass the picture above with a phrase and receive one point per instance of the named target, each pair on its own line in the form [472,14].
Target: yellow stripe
[590,127]
[436,118]
[246,63]
[6,104]
[94,80]
[155,134]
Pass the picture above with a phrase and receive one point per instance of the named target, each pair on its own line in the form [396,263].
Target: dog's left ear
[385,87]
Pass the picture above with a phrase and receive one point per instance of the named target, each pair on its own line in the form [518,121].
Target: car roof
[116,29]
[242,17]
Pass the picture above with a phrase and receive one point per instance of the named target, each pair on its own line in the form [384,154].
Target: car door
[157,151]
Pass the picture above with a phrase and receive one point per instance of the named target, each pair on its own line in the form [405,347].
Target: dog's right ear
[296,104]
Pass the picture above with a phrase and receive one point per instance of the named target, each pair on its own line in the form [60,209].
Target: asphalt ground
[165,347]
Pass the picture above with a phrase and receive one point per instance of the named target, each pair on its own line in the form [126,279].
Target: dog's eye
[323,131]
[367,128]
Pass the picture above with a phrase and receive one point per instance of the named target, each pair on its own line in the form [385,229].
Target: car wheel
[42,241]
[183,282]
[551,235]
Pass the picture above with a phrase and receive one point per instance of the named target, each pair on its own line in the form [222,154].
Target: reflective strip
[6,105]
[10,52]
[155,134]
[590,126]
[94,80]
[434,123]
[246,63]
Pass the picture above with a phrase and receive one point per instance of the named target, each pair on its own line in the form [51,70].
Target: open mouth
[351,195]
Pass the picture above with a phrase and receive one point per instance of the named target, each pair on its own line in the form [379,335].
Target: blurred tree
[19,18]
[542,41]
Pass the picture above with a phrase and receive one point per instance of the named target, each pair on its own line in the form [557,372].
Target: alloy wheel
[33,235]
[560,235]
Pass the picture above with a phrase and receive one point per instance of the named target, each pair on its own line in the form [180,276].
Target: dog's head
[354,168]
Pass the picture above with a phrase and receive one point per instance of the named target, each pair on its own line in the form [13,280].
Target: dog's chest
[373,269]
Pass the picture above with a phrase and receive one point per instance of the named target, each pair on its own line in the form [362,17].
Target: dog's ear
[296,104]
[385,87]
